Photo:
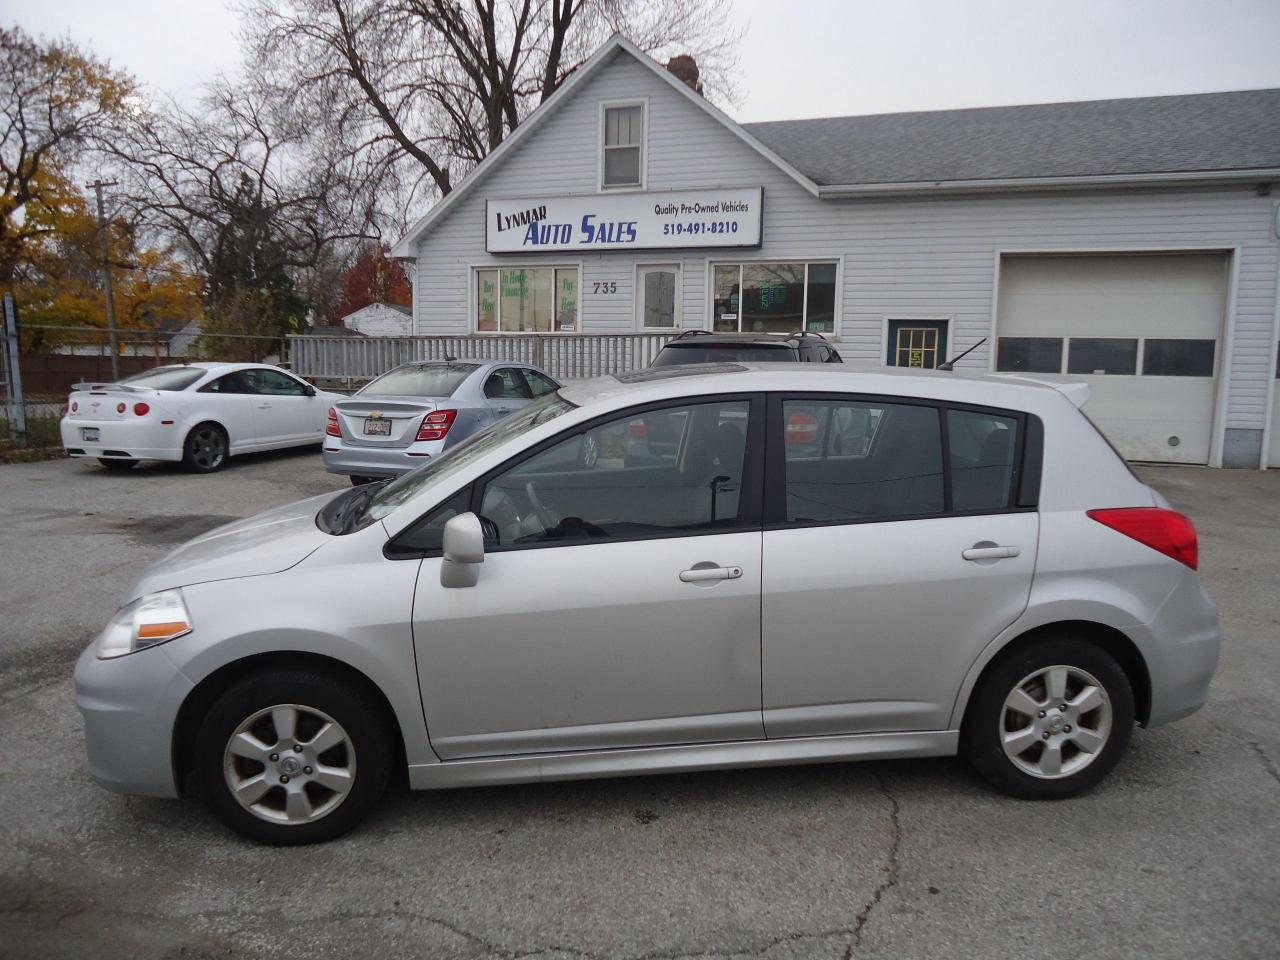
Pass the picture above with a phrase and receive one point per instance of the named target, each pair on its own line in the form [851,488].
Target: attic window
[622,162]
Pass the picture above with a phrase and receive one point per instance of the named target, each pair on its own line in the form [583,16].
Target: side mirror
[463,551]
[309,390]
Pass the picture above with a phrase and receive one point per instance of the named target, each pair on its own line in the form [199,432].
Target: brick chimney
[685,68]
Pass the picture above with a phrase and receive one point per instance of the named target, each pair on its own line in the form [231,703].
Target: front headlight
[149,620]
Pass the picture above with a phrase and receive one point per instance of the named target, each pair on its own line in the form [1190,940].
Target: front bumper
[121,439]
[130,705]
[340,457]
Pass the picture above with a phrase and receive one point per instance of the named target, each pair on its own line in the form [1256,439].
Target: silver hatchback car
[419,410]
[678,569]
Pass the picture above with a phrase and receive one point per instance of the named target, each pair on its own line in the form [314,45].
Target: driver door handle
[989,552]
[264,406]
[700,572]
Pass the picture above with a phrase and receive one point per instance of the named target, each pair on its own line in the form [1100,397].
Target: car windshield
[670,355]
[389,497]
[164,378]
[420,380]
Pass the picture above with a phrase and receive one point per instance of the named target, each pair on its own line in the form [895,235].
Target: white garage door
[1143,331]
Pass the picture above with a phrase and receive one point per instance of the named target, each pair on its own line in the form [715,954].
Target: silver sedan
[419,410]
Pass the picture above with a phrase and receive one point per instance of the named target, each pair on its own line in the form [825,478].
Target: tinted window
[848,460]
[983,450]
[1102,356]
[231,383]
[1178,358]
[1029,354]
[427,535]
[420,380]
[165,378]
[728,353]
[662,473]
[505,384]
[273,383]
[539,383]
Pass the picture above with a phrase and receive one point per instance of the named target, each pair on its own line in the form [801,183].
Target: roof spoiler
[1077,391]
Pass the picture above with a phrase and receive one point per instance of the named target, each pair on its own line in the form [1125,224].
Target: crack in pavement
[1266,760]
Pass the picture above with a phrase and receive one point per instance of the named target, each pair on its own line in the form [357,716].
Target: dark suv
[700,346]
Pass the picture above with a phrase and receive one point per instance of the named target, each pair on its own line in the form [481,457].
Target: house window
[782,297]
[527,300]
[622,164]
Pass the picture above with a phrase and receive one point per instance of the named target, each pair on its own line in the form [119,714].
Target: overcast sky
[807,58]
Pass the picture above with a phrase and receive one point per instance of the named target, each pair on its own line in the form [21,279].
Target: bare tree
[414,93]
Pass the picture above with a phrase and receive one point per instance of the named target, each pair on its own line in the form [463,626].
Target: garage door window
[1099,356]
[1178,358]
[1029,354]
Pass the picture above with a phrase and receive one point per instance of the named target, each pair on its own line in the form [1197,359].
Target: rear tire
[112,463]
[1050,719]
[332,756]
[205,449]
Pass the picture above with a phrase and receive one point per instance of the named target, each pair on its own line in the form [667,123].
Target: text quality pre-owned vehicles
[198,413]
[812,565]
[419,410]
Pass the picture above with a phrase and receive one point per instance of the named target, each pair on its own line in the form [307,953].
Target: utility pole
[106,276]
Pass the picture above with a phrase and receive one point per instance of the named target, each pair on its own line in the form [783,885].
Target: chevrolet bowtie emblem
[376,415]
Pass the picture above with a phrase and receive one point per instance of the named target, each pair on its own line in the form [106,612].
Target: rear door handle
[989,551]
[709,571]
[264,406]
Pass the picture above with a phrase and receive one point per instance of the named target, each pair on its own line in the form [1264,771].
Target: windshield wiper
[342,514]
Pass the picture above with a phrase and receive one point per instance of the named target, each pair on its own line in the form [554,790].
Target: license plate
[377,428]
[89,434]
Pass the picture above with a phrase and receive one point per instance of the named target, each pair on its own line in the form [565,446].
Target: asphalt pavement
[1176,855]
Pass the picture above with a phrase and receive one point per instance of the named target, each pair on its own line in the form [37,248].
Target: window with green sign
[527,300]
[782,297]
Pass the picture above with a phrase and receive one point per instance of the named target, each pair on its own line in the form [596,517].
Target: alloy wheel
[289,764]
[1055,722]
[207,449]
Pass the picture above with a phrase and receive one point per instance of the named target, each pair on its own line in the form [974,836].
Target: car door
[282,408]
[505,391]
[900,539]
[619,599]
[228,401]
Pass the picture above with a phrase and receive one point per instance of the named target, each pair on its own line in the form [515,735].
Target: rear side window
[849,460]
[231,383]
[539,384]
[506,383]
[983,449]
[421,380]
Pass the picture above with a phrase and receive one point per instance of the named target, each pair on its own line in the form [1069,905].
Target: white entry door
[658,297]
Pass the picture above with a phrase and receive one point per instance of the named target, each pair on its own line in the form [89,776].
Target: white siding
[933,257]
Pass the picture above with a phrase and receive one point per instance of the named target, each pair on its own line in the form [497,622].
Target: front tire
[115,463]
[205,449]
[292,756]
[1049,720]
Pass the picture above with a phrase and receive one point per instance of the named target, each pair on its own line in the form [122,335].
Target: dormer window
[622,160]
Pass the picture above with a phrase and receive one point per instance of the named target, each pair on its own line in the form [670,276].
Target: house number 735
[607,286]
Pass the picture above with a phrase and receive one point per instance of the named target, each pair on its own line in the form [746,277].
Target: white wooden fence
[564,356]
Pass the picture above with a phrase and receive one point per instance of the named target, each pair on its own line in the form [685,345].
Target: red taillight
[141,409]
[435,426]
[801,428]
[120,408]
[331,429]
[1167,531]
[66,407]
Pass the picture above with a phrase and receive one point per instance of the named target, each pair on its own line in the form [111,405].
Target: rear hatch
[383,422]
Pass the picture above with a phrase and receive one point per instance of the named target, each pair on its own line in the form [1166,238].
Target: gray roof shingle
[1180,134]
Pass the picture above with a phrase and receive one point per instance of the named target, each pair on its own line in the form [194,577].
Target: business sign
[626,221]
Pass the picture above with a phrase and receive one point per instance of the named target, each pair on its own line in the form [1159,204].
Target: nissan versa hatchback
[677,569]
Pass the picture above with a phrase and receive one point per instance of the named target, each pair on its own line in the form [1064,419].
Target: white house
[1130,243]
[380,320]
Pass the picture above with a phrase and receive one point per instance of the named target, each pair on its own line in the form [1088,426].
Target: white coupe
[198,413]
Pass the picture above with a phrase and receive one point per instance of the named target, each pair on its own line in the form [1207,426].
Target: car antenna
[951,364]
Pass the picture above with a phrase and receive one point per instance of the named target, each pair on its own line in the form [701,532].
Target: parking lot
[1176,855]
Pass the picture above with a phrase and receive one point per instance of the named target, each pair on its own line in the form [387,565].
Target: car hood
[267,543]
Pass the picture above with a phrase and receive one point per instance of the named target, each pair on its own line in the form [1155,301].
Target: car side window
[506,383]
[426,535]
[539,383]
[274,383]
[231,383]
[983,451]
[847,460]
[669,472]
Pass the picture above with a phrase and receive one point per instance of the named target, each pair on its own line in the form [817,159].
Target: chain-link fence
[51,360]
